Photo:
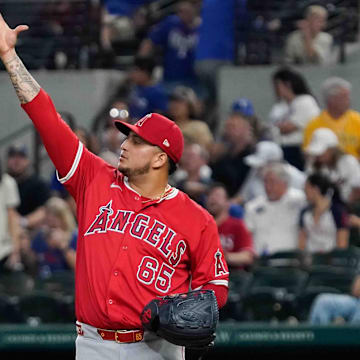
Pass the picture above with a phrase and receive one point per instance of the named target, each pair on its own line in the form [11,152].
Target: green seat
[271,292]
[304,300]
[59,283]
[16,283]
[346,258]
[238,282]
[291,279]
[284,259]
[43,307]
[9,312]
[340,278]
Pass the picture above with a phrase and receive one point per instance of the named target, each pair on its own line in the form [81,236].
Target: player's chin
[123,169]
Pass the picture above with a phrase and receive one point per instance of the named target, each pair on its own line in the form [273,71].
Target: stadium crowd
[284,191]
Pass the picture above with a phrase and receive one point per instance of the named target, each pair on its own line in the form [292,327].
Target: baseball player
[139,238]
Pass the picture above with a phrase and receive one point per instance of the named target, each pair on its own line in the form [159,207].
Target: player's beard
[134,172]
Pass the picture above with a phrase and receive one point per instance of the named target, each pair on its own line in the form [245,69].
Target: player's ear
[159,160]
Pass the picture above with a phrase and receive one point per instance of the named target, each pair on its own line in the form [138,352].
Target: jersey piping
[74,165]
[215,282]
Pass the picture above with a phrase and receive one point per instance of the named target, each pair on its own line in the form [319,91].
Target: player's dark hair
[296,80]
[172,166]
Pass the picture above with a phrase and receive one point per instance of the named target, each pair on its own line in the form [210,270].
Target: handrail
[15,134]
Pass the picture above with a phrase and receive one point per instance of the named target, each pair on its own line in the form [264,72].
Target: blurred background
[266,94]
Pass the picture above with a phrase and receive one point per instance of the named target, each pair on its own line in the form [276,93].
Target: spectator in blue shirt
[176,37]
[217,46]
[124,7]
[145,95]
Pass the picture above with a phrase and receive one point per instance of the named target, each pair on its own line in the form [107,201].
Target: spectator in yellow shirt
[337,116]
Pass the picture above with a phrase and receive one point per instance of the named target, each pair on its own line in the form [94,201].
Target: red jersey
[235,236]
[130,249]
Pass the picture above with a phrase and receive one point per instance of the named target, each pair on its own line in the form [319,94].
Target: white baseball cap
[265,152]
[321,140]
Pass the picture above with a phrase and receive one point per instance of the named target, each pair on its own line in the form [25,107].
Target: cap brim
[254,161]
[125,128]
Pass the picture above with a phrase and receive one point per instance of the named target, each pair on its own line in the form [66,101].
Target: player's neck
[149,187]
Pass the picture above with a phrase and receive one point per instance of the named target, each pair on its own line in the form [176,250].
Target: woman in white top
[323,224]
[296,107]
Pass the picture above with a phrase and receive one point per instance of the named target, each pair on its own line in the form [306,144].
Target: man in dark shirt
[33,191]
[240,137]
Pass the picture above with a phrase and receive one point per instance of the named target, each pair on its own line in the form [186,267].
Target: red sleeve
[221,293]
[60,142]
[208,265]
[76,165]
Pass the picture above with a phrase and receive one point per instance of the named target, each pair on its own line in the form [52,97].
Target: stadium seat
[284,259]
[291,279]
[266,304]
[238,282]
[16,283]
[9,312]
[348,258]
[43,307]
[271,292]
[340,278]
[304,300]
[61,283]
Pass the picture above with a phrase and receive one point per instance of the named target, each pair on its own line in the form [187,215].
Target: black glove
[187,319]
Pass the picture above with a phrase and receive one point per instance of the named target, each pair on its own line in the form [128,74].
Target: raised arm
[53,131]
[24,84]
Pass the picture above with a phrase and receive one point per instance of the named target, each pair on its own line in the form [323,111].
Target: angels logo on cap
[157,130]
[142,120]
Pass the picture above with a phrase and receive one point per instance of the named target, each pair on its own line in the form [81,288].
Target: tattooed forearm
[24,84]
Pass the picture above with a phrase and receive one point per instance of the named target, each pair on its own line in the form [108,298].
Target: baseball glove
[187,319]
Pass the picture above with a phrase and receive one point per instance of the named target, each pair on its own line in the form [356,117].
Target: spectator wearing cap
[239,136]
[176,39]
[266,153]
[34,191]
[298,107]
[324,155]
[184,109]
[338,116]
[9,224]
[244,107]
[145,95]
[273,218]
[242,130]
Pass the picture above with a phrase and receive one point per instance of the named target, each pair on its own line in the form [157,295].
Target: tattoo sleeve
[24,84]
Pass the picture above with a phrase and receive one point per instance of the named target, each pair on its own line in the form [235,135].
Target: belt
[121,336]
